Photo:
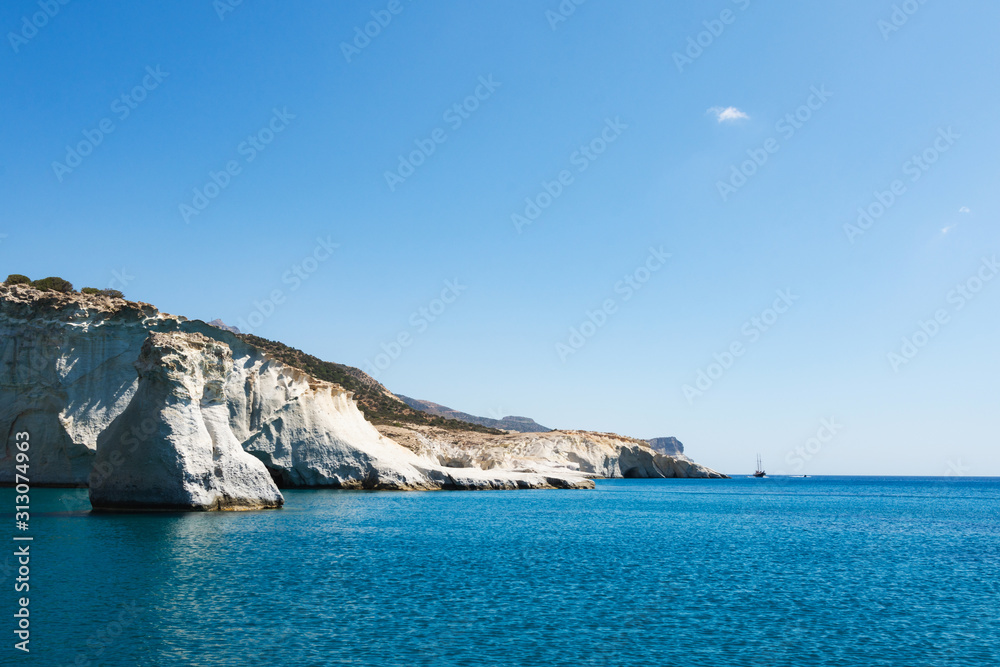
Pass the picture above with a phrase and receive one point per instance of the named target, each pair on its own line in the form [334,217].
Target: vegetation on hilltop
[373,399]
[56,284]
[53,284]
[113,293]
[377,406]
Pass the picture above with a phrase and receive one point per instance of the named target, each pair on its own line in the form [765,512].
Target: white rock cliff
[185,455]
[124,397]
[591,455]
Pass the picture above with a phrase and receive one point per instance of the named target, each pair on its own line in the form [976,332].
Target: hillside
[509,423]
[379,404]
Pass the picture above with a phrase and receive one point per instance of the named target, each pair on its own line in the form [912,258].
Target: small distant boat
[760,469]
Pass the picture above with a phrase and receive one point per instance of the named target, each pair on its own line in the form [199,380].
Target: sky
[758,227]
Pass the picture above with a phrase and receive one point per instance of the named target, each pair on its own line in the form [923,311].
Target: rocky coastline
[155,411]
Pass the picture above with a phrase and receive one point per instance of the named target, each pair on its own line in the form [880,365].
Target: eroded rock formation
[185,455]
[592,455]
[207,412]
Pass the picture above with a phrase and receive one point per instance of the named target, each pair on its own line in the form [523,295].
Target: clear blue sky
[337,119]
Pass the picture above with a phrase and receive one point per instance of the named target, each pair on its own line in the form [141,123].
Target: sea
[845,571]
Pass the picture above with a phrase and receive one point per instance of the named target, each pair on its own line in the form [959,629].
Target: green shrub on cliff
[17,279]
[113,293]
[53,284]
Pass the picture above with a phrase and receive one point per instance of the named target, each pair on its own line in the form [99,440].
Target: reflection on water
[742,572]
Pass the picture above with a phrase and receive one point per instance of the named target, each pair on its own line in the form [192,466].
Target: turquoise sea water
[818,571]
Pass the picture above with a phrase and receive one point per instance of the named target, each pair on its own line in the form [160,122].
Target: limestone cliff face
[554,453]
[154,410]
[65,373]
[185,455]
[68,375]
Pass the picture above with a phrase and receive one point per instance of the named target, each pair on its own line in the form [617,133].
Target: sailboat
[760,469]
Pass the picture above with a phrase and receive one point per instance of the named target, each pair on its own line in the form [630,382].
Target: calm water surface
[819,571]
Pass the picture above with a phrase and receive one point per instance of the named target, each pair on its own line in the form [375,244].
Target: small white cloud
[728,114]
[947,229]
[964,209]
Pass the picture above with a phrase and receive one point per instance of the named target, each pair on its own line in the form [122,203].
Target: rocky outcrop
[592,455]
[68,376]
[65,373]
[156,411]
[667,446]
[173,447]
